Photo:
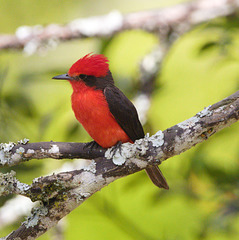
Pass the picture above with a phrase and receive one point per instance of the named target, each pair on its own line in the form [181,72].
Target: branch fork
[60,193]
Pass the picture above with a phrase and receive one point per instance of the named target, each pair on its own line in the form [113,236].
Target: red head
[91,65]
[92,70]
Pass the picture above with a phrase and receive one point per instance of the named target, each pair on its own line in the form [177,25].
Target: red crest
[91,65]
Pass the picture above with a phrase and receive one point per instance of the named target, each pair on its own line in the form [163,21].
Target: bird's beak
[63,77]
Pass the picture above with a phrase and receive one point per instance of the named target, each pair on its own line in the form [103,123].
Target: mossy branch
[60,193]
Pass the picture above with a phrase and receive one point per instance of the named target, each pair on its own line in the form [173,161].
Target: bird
[108,116]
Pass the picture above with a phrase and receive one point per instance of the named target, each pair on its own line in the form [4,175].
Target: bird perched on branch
[104,111]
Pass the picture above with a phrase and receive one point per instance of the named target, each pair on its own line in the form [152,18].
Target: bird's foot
[91,145]
[117,146]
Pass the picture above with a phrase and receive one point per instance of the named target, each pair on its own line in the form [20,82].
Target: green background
[201,68]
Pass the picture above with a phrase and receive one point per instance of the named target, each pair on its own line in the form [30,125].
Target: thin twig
[179,19]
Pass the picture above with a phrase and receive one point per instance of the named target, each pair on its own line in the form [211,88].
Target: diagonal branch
[60,193]
[179,18]
[194,130]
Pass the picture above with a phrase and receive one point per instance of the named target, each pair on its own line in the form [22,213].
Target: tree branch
[179,18]
[61,193]
[205,123]
[12,154]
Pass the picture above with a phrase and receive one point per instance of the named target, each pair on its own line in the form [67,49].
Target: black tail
[157,177]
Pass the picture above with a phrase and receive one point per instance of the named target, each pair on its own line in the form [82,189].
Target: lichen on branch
[61,193]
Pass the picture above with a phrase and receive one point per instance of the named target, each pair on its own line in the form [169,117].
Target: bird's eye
[82,76]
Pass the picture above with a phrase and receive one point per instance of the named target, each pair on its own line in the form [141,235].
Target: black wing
[124,112]
[126,116]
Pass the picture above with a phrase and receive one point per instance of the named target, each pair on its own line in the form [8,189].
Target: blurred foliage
[201,68]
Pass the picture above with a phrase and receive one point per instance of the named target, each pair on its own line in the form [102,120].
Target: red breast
[92,111]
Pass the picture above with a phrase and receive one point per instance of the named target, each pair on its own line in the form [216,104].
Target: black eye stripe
[96,82]
[82,76]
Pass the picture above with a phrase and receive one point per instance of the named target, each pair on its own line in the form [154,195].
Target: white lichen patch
[150,158]
[90,166]
[30,151]
[157,139]
[205,112]
[5,154]
[22,187]
[6,180]
[35,180]
[118,159]
[220,109]
[128,151]
[142,145]
[189,123]
[121,155]
[54,149]
[89,184]
[85,194]
[16,157]
[2,157]
[33,220]
[23,141]
[7,147]
[139,163]
[11,185]
[20,150]
[146,136]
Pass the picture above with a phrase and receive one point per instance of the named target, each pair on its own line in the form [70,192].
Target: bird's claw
[91,145]
[117,146]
